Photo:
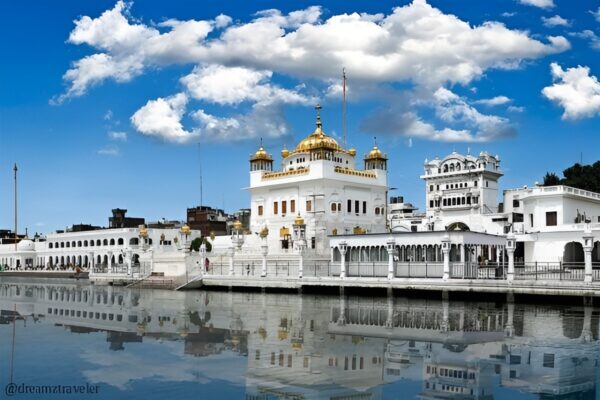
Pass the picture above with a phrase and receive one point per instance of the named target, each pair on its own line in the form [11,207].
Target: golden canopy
[261,154]
[375,154]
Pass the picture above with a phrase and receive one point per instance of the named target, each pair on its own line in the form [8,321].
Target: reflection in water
[295,347]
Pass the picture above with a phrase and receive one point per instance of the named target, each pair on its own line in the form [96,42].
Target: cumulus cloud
[494,101]
[233,85]
[161,118]
[415,42]
[575,90]
[589,35]
[538,3]
[557,20]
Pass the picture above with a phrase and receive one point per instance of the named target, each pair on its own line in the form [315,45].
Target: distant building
[119,220]
[83,228]
[207,220]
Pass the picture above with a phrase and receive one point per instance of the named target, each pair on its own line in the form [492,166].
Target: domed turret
[26,245]
[261,160]
[285,152]
[375,159]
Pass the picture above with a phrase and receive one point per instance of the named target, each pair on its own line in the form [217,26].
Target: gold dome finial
[264,232]
[285,152]
[143,231]
[319,124]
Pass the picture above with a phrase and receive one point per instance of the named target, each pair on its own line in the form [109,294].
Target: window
[349,206]
[364,207]
[551,218]
[430,206]
[333,207]
[275,208]
[313,242]
[339,207]
[431,188]
[260,210]
[283,207]
[531,220]
[548,360]
[308,205]
[356,206]
[475,183]
[515,203]
[487,184]
[293,206]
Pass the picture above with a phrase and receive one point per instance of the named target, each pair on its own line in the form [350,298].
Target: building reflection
[340,347]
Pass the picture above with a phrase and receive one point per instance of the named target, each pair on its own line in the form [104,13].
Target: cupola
[261,160]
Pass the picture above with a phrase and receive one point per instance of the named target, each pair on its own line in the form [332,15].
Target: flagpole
[344,104]
[15,169]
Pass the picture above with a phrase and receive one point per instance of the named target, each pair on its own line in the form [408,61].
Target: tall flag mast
[344,104]
[15,169]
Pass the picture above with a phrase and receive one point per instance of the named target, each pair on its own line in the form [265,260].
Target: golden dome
[186,230]
[237,225]
[143,231]
[299,220]
[261,154]
[375,154]
[285,152]
[352,152]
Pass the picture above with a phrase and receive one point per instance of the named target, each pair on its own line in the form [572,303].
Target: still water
[155,344]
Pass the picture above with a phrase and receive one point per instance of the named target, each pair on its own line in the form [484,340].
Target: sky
[110,104]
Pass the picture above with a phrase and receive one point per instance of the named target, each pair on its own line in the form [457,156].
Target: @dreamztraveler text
[15,389]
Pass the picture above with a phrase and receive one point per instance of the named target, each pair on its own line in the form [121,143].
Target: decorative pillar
[462,253]
[391,249]
[343,246]
[110,261]
[299,231]
[264,250]
[129,261]
[511,245]
[446,252]
[588,246]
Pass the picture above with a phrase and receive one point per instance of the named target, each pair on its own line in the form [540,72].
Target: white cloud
[222,20]
[161,118]
[494,101]
[233,85]
[516,109]
[110,151]
[596,14]
[117,136]
[575,90]
[508,14]
[108,115]
[557,20]
[538,3]
[415,42]
[589,35]
[261,121]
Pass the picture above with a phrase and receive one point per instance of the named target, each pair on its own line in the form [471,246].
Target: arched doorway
[573,253]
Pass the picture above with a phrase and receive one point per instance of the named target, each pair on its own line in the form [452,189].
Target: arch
[98,242]
[112,242]
[120,259]
[573,253]
[79,243]
[134,241]
[105,242]
[85,243]
[596,252]
[73,244]
[99,259]
[135,259]
[121,241]
[457,226]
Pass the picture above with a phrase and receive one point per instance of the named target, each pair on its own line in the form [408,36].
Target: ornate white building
[318,191]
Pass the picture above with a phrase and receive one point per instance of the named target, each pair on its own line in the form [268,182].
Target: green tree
[551,179]
[196,243]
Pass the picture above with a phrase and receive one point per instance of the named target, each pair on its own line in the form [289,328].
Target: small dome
[375,154]
[261,154]
[285,152]
[299,220]
[352,152]
[237,225]
[185,229]
[26,245]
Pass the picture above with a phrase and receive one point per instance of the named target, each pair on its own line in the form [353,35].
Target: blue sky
[106,104]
